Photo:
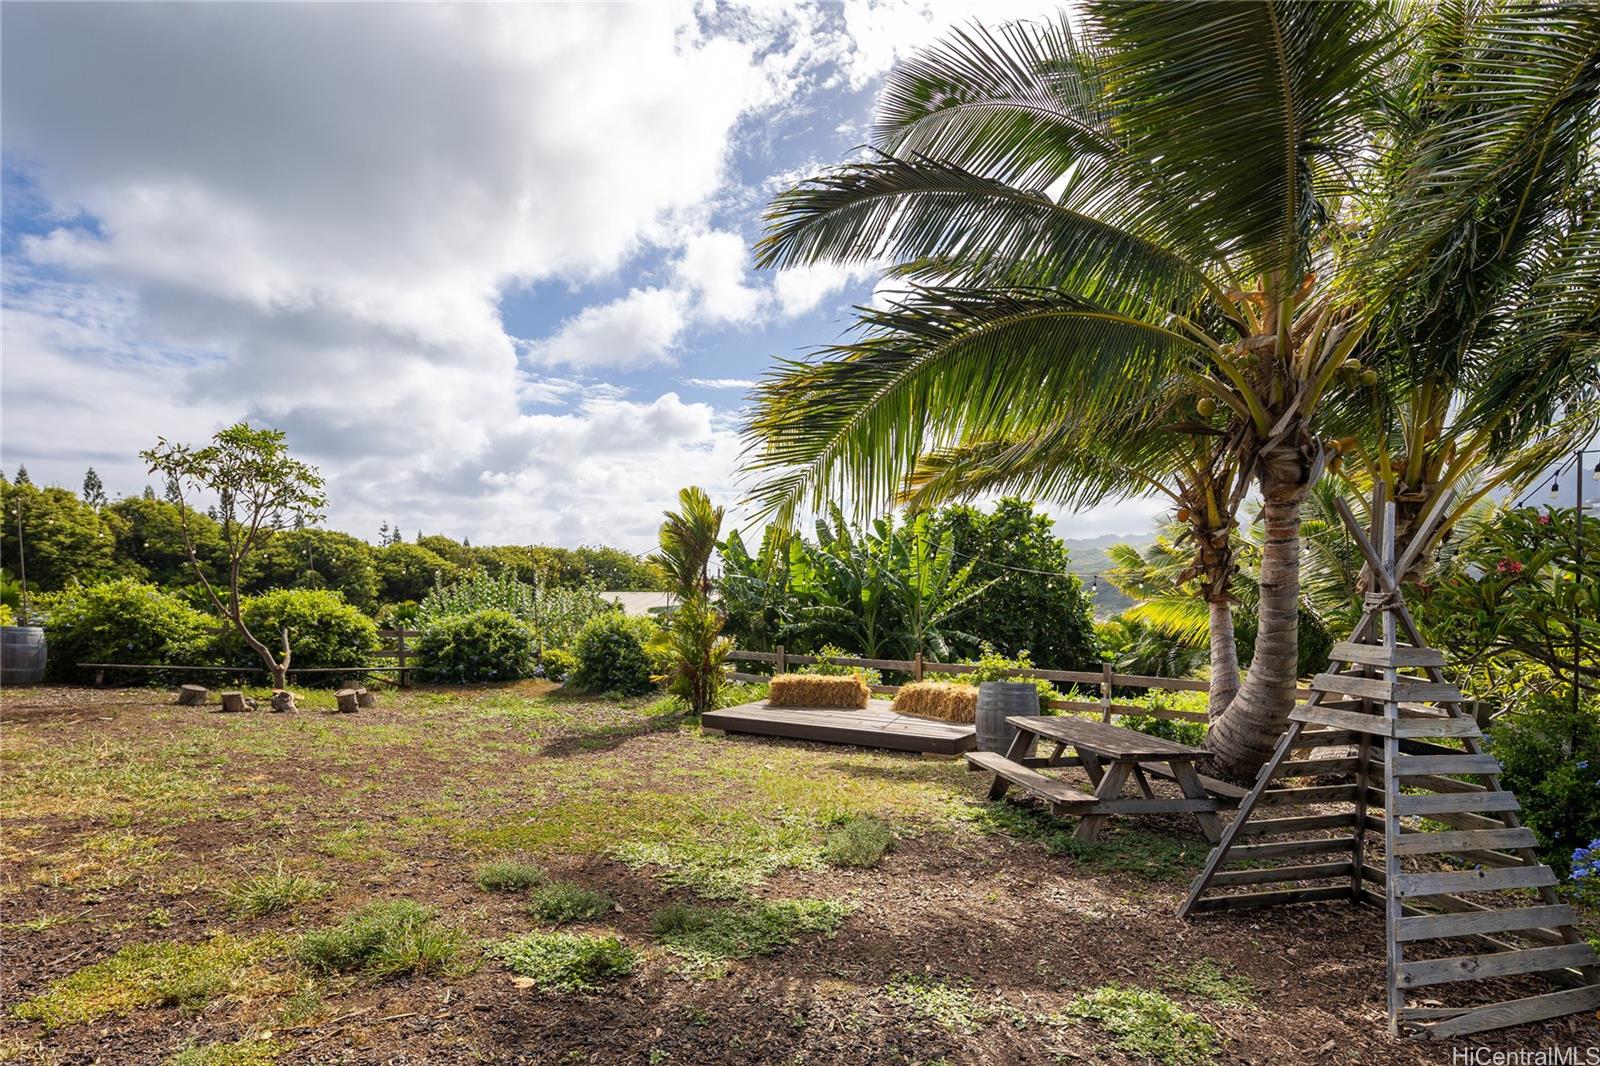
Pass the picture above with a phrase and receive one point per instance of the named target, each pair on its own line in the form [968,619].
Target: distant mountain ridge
[1086,557]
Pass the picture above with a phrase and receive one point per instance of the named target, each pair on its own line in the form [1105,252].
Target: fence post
[916,670]
[400,657]
[1105,692]
[782,665]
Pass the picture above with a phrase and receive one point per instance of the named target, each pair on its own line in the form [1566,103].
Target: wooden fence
[402,654]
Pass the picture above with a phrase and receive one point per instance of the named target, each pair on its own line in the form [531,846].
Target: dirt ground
[127,820]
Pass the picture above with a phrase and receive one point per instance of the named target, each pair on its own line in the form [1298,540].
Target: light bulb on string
[1555,490]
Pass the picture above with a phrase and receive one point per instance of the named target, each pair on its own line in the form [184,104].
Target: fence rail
[397,649]
[1106,680]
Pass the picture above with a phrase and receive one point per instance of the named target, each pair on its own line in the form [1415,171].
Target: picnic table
[1110,756]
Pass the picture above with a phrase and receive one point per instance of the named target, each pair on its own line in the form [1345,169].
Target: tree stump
[348,700]
[191,696]
[282,701]
[365,698]
[233,703]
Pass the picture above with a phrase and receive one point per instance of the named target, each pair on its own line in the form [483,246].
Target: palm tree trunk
[1242,738]
[1224,658]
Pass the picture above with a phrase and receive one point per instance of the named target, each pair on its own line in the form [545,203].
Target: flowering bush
[1586,873]
[1550,752]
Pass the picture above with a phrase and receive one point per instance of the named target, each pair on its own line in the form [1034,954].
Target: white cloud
[721,383]
[802,289]
[310,215]
[631,330]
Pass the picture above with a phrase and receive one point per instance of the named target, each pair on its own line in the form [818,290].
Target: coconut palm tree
[1112,224]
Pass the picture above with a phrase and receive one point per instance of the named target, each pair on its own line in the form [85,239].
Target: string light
[1555,489]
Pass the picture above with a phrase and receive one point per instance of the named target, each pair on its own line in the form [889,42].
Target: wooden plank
[1285,849]
[1274,898]
[1215,786]
[1401,655]
[1464,840]
[1511,920]
[1319,767]
[1355,721]
[1399,690]
[1418,765]
[1515,1012]
[1422,972]
[1154,806]
[1443,727]
[1260,827]
[1265,875]
[1456,881]
[1104,739]
[1284,797]
[875,727]
[1312,739]
[1056,792]
[1457,801]
[754,656]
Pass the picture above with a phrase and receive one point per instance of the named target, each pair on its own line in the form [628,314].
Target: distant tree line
[88,538]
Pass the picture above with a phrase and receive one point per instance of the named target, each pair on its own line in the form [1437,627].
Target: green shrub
[827,669]
[510,875]
[858,842]
[555,612]
[557,664]
[125,622]
[569,962]
[387,938]
[1178,729]
[272,892]
[612,656]
[487,645]
[324,631]
[560,902]
[1148,1025]
[1551,759]
[992,666]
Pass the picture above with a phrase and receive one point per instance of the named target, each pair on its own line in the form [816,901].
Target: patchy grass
[239,1053]
[757,927]
[510,875]
[1148,1024]
[146,975]
[567,962]
[560,902]
[952,1006]
[274,892]
[859,842]
[1152,856]
[386,939]
[1207,979]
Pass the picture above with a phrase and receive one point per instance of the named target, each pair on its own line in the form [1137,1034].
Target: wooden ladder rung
[1377,655]
[1261,827]
[1268,875]
[1276,897]
[1514,1012]
[1463,840]
[1500,964]
[1456,802]
[1420,765]
[1284,849]
[1450,883]
[1464,923]
[1285,797]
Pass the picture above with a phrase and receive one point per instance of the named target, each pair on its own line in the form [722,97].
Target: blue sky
[488,266]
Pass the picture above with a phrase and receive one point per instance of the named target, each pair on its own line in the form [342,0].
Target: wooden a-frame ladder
[1413,772]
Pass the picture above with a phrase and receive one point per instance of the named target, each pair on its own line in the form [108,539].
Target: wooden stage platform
[875,726]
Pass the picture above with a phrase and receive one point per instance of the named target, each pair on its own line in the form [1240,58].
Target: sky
[489,266]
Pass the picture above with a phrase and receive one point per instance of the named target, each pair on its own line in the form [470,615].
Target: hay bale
[944,700]
[815,690]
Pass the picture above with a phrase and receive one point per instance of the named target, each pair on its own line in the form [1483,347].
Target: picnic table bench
[1110,756]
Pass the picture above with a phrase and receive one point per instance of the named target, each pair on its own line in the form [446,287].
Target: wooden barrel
[22,653]
[997,701]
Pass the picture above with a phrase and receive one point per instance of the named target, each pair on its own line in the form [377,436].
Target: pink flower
[1544,520]
[1509,566]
